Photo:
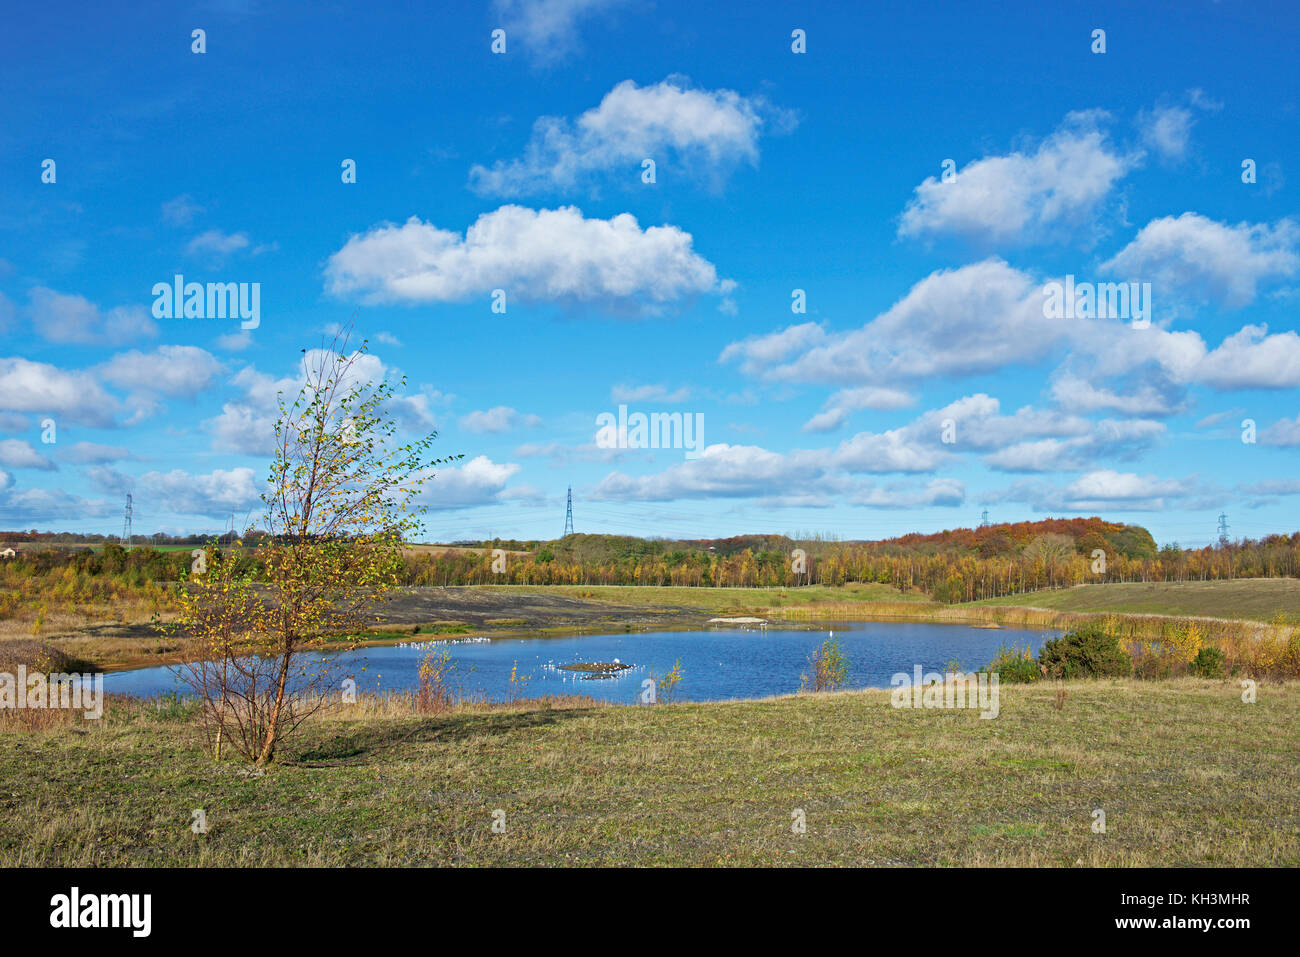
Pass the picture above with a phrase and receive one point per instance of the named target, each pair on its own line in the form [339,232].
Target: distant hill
[1131,541]
[992,541]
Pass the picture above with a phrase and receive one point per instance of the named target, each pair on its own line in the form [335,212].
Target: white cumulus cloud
[502,418]
[169,370]
[60,317]
[548,255]
[1191,257]
[480,481]
[1025,196]
[38,387]
[548,28]
[17,454]
[703,133]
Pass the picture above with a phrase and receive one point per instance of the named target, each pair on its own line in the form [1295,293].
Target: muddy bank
[432,610]
[507,609]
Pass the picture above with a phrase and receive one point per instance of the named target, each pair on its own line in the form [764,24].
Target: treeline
[90,539]
[947,575]
[952,566]
[599,549]
[136,565]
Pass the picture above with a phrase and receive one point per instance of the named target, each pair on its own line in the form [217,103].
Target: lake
[717,664]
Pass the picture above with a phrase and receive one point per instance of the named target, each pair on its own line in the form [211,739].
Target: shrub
[667,690]
[433,696]
[1014,665]
[9,604]
[1168,652]
[1087,652]
[518,683]
[827,668]
[1209,663]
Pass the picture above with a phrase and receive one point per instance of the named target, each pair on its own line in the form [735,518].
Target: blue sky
[774,171]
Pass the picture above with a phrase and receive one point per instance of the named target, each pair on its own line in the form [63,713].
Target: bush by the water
[1087,652]
[1015,665]
[827,668]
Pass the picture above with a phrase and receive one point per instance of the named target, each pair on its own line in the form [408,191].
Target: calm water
[717,664]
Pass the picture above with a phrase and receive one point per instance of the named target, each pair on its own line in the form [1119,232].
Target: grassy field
[1251,599]
[724,600]
[409,548]
[1186,773]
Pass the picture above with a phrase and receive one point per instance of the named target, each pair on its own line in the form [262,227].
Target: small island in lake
[596,669]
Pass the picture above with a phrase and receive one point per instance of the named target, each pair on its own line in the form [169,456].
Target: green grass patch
[1187,774]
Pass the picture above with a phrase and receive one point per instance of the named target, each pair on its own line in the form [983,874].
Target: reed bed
[1161,645]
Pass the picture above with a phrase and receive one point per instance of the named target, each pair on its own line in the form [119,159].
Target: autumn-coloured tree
[340,500]
[964,565]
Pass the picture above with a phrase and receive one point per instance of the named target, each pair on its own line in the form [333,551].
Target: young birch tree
[340,500]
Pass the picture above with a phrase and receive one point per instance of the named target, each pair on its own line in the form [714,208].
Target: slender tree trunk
[268,744]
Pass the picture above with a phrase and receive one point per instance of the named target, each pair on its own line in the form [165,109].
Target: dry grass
[1253,599]
[100,619]
[1252,647]
[1187,774]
